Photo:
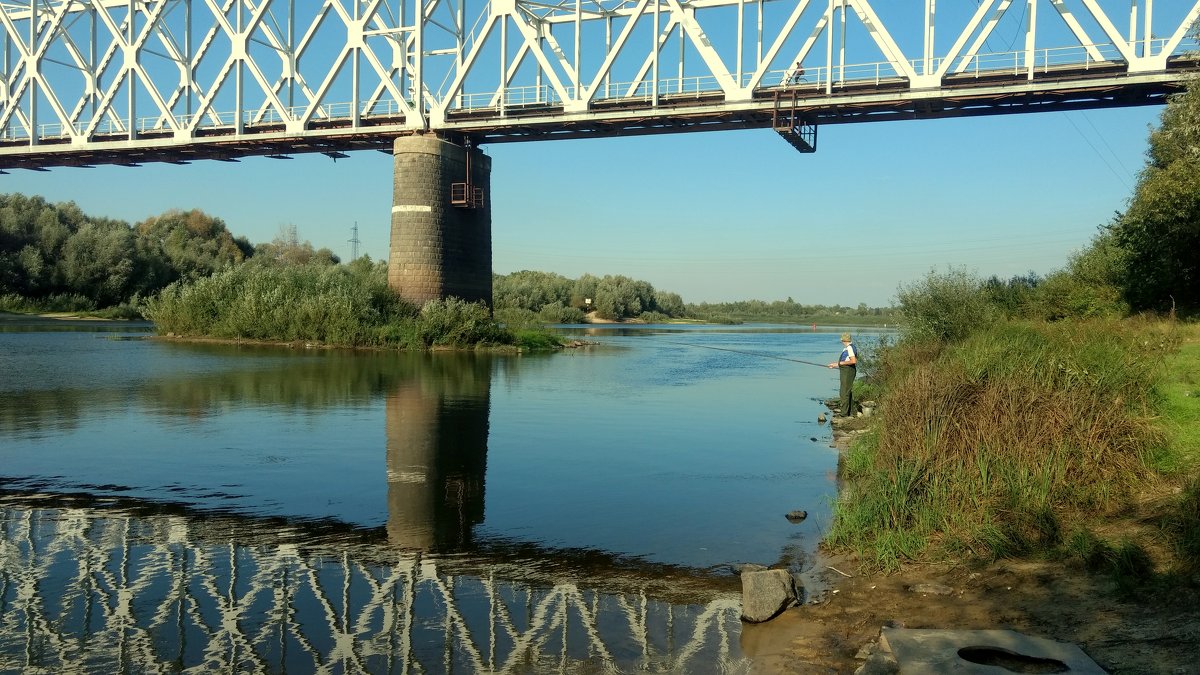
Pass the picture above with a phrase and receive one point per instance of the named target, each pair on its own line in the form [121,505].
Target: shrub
[303,302]
[1063,295]
[555,312]
[58,302]
[653,317]
[945,307]
[537,340]
[126,311]
[455,322]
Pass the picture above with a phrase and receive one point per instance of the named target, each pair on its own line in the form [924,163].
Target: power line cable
[1104,140]
[1098,153]
[1020,22]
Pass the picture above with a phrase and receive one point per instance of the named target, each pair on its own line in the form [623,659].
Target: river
[172,506]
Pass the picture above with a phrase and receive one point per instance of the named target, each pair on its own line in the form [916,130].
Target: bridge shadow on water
[93,581]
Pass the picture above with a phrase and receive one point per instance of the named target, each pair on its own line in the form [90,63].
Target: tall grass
[1000,442]
[334,305]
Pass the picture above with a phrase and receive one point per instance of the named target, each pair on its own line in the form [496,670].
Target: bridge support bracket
[788,121]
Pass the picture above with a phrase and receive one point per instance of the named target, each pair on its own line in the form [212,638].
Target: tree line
[558,299]
[790,311]
[54,256]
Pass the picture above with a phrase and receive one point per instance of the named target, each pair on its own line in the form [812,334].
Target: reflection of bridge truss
[89,590]
[122,81]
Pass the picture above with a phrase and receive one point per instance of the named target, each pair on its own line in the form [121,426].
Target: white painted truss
[131,80]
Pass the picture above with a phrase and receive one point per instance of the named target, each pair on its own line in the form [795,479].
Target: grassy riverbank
[1030,438]
[330,305]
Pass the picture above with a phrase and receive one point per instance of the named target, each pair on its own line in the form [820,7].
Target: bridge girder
[118,81]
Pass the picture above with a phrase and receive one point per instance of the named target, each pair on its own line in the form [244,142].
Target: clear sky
[712,215]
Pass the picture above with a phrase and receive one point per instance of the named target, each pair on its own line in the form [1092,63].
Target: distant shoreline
[12,317]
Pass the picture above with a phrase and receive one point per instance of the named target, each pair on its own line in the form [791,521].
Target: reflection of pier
[437,455]
[92,589]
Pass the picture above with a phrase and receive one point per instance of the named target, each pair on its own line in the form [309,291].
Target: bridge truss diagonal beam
[128,81]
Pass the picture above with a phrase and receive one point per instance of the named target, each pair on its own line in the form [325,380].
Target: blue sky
[712,215]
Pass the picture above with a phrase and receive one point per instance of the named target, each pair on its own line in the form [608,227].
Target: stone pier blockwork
[439,250]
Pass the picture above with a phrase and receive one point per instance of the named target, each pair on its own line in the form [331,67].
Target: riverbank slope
[1131,601]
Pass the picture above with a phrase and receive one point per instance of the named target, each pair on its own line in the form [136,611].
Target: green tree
[1013,296]
[99,262]
[619,297]
[1159,234]
[530,290]
[584,289]
[287,249]
[192,243]
[668,303]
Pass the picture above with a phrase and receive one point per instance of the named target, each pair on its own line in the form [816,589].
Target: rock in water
[821,418]
[796,516]
[766,594]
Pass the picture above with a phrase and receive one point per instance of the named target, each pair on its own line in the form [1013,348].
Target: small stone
[932,589]
[866,651]
[879,664]
[750,567]
[796,516]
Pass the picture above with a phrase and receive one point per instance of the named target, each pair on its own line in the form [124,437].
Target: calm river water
[170,507]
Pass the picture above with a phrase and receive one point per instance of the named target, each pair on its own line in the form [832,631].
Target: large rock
[765,594]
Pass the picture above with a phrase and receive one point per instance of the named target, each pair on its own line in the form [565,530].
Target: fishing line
[738,351]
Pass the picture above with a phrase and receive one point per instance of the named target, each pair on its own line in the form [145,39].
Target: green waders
[845,393]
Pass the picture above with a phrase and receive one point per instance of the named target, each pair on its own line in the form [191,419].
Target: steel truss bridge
[103,589]
[128,81]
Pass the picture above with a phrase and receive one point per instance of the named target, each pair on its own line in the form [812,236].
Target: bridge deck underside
[884,100]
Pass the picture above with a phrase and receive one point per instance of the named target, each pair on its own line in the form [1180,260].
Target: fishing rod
[738,351]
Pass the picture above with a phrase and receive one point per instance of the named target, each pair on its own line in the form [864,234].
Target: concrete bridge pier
[441,244]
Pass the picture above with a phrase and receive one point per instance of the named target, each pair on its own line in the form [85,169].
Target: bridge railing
[1014,62]
[217,120]
[1044,59]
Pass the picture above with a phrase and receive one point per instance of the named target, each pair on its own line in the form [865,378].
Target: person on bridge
[797,75]
[847,365]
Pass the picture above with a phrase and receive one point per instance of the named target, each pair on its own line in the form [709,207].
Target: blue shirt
[848,352]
